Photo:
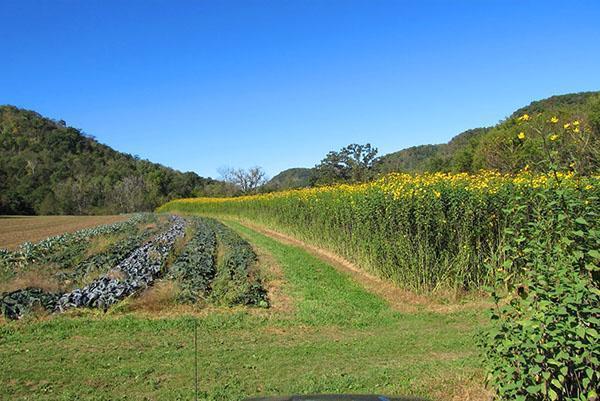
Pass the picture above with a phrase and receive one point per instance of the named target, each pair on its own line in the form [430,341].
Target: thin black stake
[196,356]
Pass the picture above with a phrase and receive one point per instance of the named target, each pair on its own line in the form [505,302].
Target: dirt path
[398,298]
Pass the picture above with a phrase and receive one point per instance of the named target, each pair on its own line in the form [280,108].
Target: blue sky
[197,85]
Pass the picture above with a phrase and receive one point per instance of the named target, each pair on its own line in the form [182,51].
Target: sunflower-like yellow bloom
[524,117]
[553,137]
[554,120]
[567,125]
[576,129]
[521,135]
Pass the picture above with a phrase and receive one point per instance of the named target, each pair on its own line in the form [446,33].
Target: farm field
[381,287]
[15,230]
[323,332]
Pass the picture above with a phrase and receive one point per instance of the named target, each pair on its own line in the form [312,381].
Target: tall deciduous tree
[246,180]
[353,163]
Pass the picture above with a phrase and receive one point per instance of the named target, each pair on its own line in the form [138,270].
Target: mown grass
[337,337]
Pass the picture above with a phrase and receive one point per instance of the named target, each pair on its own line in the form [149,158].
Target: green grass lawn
[336,337]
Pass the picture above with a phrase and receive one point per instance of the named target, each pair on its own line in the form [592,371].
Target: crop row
[65,248]
[128,275]
[102,262]
[195,266]
[237,281]
[134,262]
[140,269]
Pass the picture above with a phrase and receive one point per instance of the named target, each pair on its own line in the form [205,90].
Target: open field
[15,230]
[312,291]
[323,333]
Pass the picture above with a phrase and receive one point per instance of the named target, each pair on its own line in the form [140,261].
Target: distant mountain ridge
[47,167]
[476,148]
[297,177]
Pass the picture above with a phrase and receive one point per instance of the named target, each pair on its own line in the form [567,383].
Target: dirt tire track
[397,298]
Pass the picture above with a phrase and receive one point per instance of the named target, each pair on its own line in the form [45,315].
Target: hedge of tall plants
[424,231]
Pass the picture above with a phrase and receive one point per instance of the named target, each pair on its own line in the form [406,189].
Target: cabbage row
[140,269]
[133,263]
[237,281]
[130,273]
[104,261]
[194,269]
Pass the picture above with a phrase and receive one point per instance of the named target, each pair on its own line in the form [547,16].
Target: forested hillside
[298,177]
[489,148]
[47,167]
[499,148]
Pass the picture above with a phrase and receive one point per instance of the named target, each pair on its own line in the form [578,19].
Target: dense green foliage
[237,280]
[195,266]
[47,167]
[545,344]
[494,147]
[290,178]
[424,232]
[353,163]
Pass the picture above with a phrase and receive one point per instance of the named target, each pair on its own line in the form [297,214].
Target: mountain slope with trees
[47,167]
[497,147]
[298,177]
[491,148]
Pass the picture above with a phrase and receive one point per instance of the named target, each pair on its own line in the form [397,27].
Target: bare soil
[14,230]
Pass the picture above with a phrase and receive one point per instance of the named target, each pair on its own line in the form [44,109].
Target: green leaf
[594,253]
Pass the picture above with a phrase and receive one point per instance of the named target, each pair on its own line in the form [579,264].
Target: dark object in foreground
[335,397]
[15,304]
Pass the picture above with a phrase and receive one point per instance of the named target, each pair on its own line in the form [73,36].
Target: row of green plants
[543,343]
[238,281]
[218,266]
[65,248]
[424,232]
[195,267]
[101,262]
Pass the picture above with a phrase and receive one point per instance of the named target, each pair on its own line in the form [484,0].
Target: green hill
[298,177]
[488,147]
[491,147]
[47,167]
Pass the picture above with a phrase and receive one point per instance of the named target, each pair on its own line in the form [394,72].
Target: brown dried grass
[38,278]
[162,295]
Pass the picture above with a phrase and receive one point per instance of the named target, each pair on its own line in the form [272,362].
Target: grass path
[336,337]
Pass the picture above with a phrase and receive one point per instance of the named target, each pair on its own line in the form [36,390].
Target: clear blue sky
[200,84]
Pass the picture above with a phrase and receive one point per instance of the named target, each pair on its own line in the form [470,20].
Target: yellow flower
[553,137]
[576,129]
[567,125]
[576,122]
[524,117]
[521,135]
[554,120]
